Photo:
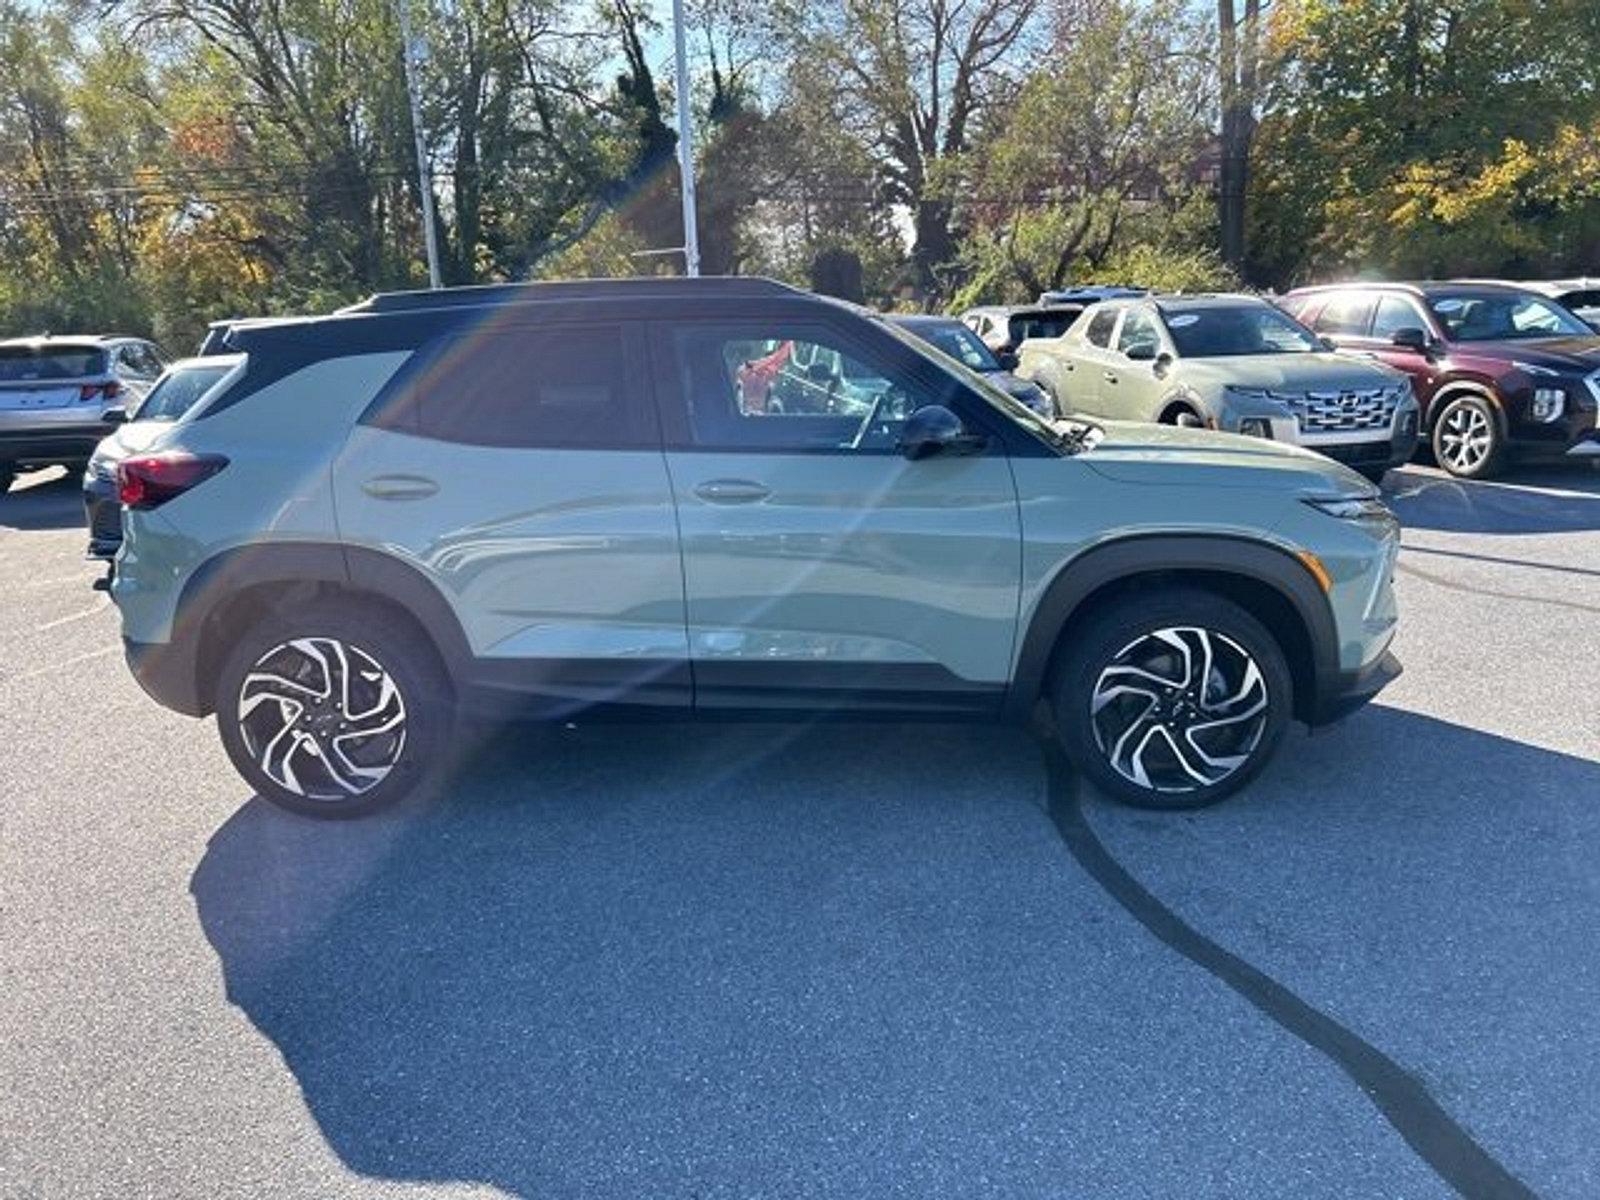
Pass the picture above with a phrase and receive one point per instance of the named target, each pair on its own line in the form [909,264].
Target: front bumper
[167,671]
[1376,449]
[1342,693]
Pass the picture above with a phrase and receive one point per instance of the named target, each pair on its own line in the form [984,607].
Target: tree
[910,79]
[1389,125]
[1052,199]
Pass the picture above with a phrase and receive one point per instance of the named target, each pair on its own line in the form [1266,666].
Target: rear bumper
[67,443]
[1341,694]
[167,673]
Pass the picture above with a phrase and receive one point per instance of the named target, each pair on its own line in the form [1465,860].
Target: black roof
[643,288]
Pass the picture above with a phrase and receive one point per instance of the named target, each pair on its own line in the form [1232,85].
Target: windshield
[176,393]
[960,343]
[20,364]
[1503,316]
[1006,404]
[1235,330]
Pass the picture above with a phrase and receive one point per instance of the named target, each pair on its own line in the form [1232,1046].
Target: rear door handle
[732,491]
[399,487]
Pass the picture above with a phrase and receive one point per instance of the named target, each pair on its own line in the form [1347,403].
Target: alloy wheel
[1179,709]
[1465,438]
[323,719]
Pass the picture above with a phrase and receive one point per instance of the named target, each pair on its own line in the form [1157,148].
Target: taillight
[90,390]
[153,479]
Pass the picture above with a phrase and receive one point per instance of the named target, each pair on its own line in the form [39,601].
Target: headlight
[1257,427]
[1351,508]
[1548,404]
[1258,395]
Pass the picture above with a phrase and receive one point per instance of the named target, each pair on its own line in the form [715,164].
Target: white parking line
[104,604]
[62,666]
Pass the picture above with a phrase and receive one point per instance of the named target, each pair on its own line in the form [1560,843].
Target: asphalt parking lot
[850,961]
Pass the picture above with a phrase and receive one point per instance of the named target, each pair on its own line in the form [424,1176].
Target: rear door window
[554,386]
[1345,315]
[1101,326]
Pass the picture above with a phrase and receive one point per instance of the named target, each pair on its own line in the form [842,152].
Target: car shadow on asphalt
[1525,501]
[42,500]
[622,960]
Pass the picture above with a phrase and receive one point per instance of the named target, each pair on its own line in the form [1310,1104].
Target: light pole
[691,234]
[408,52]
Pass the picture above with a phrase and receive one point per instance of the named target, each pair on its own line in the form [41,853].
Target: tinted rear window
[24,363]
[176,393]
[561,386]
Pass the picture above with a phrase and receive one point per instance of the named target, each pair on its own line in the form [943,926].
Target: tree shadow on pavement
[41,501]
[754,959]
[1526,501]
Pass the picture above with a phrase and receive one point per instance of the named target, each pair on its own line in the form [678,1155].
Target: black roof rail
[664,286]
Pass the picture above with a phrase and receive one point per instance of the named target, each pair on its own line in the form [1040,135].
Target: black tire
[8,476]
[1467,439]
[1115,656]
[1373,474]
[391,663]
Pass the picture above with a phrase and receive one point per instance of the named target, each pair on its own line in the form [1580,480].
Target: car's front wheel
[331,712]
[1467,440]
[1172,699]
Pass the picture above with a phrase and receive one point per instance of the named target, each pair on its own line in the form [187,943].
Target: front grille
[1342,412]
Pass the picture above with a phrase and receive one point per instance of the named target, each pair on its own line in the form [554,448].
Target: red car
[1501,373]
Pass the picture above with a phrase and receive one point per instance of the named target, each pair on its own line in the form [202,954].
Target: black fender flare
[1124,558]
[221,578]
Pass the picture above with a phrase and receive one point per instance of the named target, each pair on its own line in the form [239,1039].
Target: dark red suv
[1500,372]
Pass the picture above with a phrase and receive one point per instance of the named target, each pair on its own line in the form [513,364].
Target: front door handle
[1110,376]
[399,487]
[732,491]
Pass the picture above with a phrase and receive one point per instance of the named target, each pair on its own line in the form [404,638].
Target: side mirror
[936,430]
[1162,365]
[115,416]
[1410,339]
[1141,352]
[1009,360]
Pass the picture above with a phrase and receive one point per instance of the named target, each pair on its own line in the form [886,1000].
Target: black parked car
[968,349]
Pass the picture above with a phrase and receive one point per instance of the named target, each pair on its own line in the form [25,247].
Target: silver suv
[56,394]
[573,497]
[1234,363]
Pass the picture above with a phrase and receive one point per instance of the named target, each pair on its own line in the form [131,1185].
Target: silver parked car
[55,393]
[1234,363]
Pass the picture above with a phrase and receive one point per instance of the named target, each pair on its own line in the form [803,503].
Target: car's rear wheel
[331,712]
[1467,440]
[1172,699]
